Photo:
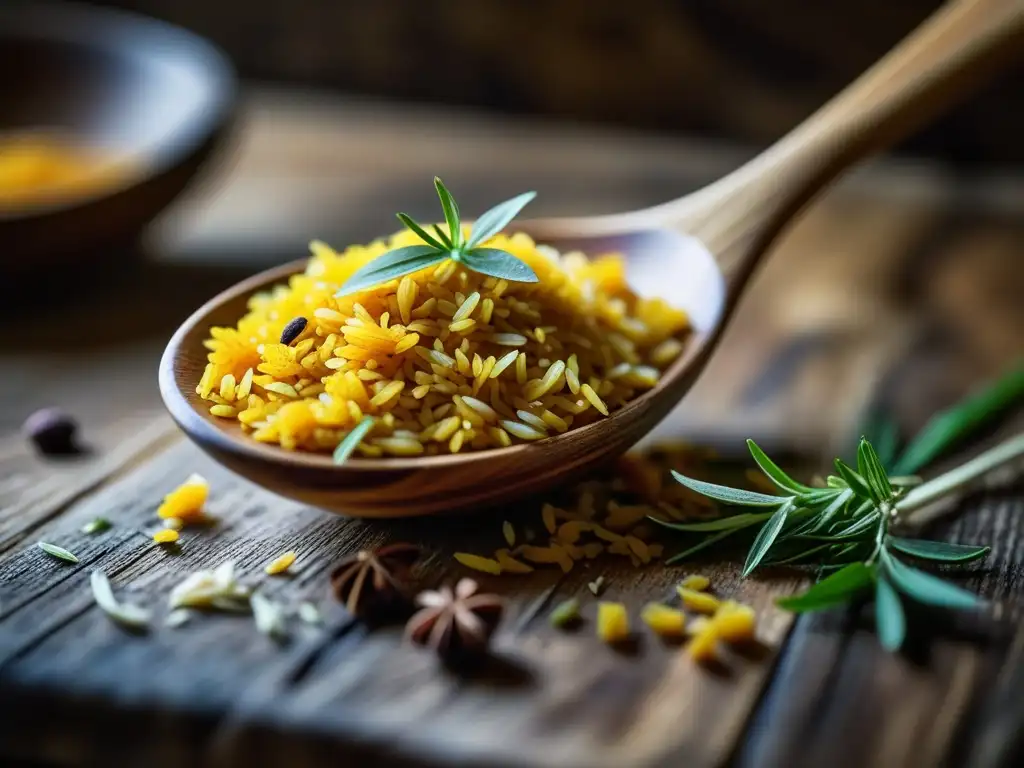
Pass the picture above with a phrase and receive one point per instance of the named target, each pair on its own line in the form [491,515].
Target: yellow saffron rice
[447,359]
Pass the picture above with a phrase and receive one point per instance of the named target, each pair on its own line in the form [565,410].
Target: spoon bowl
[697,252]
[401,487]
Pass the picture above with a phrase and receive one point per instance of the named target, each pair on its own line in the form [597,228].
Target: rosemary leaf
[98,525]
[353,439]
[870,468]
[834,590]
[939,551]
[497,218]
[766,537]
[891,623]
[443,237]
[955,424]
[774,473]
[425,236]
[565,614]
[396,263]
[854,480]
[451,213]
[735,496]
[59,552]
[498,263]
[925,588]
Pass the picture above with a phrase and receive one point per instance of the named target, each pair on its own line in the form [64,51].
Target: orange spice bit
[186,501]
[735,622]
[665,621]
[570,532]
[165,536]
[701,602]
[695,581]
[612,622]
[509,564]
[477,563]
[548,515]
[551,554]
[703,647]
[281,564]
[639,549]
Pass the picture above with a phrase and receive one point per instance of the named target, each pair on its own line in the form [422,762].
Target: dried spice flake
[269,616]
[565,614]
[309,613]
[665,621]
[177,618]
[166,536]
[59,552]
[701,602]
[281,564]
[478,563]
[612,622]
[129,615]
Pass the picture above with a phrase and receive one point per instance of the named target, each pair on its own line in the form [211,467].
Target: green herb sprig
[440,246]
[845,529]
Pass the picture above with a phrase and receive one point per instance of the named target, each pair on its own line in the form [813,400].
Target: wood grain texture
[546,699]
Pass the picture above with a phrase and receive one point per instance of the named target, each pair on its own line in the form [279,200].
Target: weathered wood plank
[568,698]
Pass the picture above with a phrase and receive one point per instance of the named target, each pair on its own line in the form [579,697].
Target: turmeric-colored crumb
[704,644]
[665,621]
[477,563]
[696,582]
[281,564]
[701,602]
[186,501]
[509,564]
[735,622]
[612,622]
[165,536]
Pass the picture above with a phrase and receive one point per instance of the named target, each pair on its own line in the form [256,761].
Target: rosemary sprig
[845,527]
[440,246]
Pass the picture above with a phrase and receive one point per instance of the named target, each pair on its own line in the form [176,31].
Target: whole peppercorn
[293,330]
[53,432]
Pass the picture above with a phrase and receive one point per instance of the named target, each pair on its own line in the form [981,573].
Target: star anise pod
[455,623]
[372,580]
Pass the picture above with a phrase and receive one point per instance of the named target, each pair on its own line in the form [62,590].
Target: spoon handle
[743,212]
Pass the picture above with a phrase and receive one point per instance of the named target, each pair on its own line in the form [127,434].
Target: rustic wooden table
[901,287]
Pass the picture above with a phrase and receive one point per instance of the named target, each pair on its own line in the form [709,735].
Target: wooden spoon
[698,252]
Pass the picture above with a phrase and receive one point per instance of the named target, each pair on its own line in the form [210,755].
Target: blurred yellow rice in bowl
[444,359]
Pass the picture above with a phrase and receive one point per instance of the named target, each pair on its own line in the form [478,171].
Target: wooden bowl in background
[155,95]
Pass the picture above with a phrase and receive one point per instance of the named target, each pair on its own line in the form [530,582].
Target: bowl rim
[204,431]
[89,26]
